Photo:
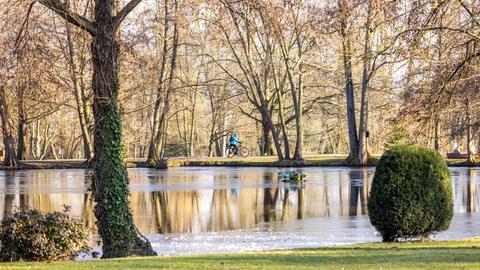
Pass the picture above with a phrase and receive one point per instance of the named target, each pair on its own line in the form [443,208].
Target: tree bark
[298,155]
[286,144]
[281,111]
[10,160]
[470,155]
[191,139]
[297,96]
[154,146]
[21,128]
[352,125]
[110,179]
[361,157]
[436,136]
[271,144]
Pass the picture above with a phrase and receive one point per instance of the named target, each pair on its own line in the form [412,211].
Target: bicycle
[241,151]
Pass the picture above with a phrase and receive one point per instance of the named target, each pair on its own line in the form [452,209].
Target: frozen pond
[223,209]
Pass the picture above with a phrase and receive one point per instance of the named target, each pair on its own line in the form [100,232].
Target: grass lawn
[420,255]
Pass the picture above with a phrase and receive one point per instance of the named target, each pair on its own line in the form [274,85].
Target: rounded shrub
[411,194]
[31,235]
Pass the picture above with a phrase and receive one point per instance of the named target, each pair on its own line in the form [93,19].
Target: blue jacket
[233,140]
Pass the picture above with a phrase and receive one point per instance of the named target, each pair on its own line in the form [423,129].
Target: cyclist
[232,143]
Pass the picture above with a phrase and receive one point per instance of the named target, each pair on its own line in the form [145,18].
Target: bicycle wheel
[244,152]
[229,152]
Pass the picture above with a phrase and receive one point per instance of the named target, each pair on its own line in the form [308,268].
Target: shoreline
[259,161]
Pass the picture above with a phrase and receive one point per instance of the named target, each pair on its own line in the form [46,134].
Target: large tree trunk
[362,156]
[271,145]
[11,159]
[110,179]
[352,125]
[22,121]
[21,134]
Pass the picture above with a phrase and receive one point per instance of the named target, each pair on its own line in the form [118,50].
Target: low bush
[31,235]
[411,194]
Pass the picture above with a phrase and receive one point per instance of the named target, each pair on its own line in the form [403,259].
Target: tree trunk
[286,144]
[270,146]
[298,155]
[470,155]
[21,133]
[219,147]
[211,140]
[361,158]
[160,117]
[281,116]
[34,140]
[296,99]
[436,137]
[78,93]
[352,125]
[154,145]
[191,139]
[11,159]
[110,179]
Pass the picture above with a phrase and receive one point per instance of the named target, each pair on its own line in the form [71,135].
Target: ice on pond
[218,210]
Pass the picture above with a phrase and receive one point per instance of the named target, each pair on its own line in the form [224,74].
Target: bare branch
[24,26]
[124,12]
[72,17]
[467,9]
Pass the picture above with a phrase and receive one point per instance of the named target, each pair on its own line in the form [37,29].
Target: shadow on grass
[351,256]
[357,257]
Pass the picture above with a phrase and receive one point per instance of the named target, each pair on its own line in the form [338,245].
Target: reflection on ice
[210,210]
[309,233]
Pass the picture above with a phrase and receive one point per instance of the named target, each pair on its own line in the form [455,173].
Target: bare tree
[110,180]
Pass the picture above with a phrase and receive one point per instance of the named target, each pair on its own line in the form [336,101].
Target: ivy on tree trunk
[110,179]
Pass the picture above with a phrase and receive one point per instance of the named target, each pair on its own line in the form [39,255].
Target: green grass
[460,163]
[419,255]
